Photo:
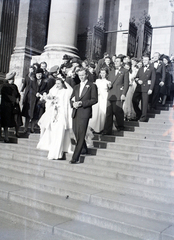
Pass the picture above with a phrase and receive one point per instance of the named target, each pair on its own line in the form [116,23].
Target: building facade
[45,30]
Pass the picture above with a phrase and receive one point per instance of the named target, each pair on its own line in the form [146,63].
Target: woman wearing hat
[27,96]
[165,89]
[10,110]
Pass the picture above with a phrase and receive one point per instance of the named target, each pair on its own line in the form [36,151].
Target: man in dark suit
[119,84]
[83,97]
[160,79]
[37,89]
[145,80]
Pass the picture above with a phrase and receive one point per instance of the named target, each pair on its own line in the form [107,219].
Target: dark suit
[99,66]
[160,77]
[81,115]
[119,86]
[148,78]
[37,106]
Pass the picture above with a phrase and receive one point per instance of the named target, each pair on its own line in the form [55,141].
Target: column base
[53,54]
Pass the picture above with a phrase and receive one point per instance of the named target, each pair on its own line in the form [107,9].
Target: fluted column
[62,31]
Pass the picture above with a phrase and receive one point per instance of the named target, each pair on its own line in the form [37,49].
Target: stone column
[31,35]
[123,24]
[19,58]
[101,8]
[62,32]
[171,50]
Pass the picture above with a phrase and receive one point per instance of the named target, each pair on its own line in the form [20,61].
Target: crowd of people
[72,101]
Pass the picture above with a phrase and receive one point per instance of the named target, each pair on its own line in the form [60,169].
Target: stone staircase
[123,190]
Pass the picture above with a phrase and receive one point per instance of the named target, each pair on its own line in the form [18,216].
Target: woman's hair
[104,69]
[62,81]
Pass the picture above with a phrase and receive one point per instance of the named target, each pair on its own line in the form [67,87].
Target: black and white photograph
[86,119]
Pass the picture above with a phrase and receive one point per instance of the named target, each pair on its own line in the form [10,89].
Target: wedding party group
[72,101]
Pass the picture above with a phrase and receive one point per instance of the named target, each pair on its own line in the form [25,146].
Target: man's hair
[43,63]
[82,69]
[121,59]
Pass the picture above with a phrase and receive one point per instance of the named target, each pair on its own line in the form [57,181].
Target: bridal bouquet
[55,107]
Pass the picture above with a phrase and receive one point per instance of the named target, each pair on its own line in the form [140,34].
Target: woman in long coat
[31,102]
[10,110]
[27,97]
[165,89]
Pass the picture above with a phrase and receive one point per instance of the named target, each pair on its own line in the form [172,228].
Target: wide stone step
[47,181]
[40,224]
[10,229]
[117,175]
[132,156]
[144,142]
[165,146]
[148,135]
[115,201]
[130,224]
[96,165]
[109,153]
[158,151]
[25,148]
[151,123]
[128,165]
[154,131]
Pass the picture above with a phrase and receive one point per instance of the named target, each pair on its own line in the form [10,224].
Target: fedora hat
[10,75]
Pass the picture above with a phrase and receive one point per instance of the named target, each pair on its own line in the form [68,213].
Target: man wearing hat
[38,87]
[66,61]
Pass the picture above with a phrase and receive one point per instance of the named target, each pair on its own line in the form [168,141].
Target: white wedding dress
[56,123]
[99,110]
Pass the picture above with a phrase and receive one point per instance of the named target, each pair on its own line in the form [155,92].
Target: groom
[83,97]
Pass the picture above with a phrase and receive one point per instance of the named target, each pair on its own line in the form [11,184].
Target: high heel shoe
[17,135]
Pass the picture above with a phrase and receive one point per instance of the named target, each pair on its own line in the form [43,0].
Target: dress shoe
[63,157]
[106,133]
[17,135]
[73,161]
[31,131]
[143,120]
[84,151]
[6,140]
[120,129]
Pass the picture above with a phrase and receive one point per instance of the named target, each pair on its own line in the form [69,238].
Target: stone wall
[161,16]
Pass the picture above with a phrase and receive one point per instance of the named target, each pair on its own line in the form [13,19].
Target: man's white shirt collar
[82,85]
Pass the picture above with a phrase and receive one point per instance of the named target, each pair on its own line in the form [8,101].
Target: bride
[56,123]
